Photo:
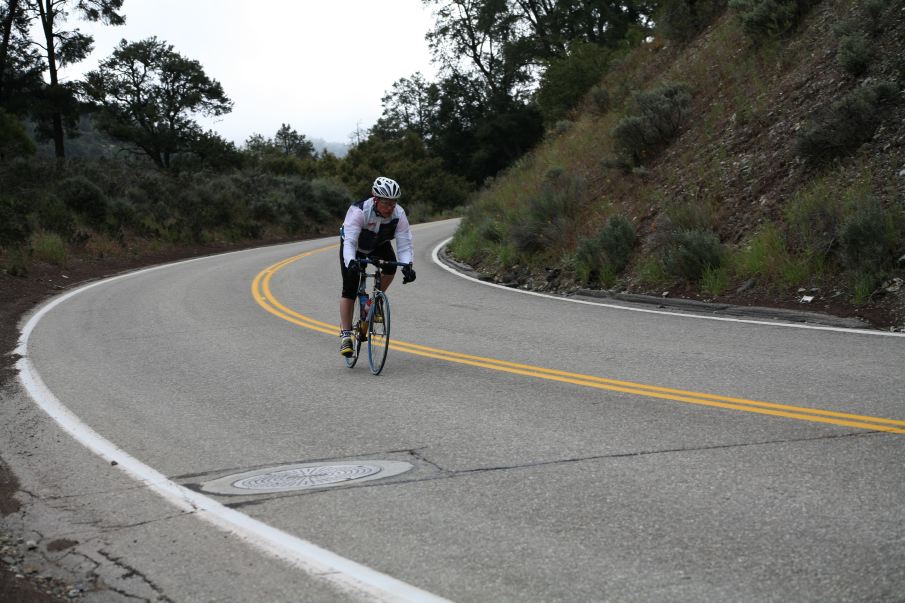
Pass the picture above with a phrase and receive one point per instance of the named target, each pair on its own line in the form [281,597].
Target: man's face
[385,207]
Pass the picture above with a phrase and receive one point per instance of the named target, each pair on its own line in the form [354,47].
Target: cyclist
[369,227]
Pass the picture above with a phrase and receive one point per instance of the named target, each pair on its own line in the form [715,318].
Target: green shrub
[16,262]
[605,255]
[692,253]
[304,211]
[332,196]
[666,108]
[662,113]
[122,215]
[14,140]
[269,207]
[855,54]
[14,226]
[49,247]
[682,20]
[632,136]
[561,127]
[813,217]
[53,215]
[546,219]
[600,100]
[766,19]
[587,259]
[873,15]
[617,239]
[848,123]
[288,165]
[84,197]
[868,238]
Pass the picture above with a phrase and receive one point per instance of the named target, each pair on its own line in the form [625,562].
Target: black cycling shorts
[382,252]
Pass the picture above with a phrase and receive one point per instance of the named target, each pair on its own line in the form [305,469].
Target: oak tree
[150,95]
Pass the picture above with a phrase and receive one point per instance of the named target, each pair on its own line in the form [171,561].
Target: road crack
[129,573]
[418,454]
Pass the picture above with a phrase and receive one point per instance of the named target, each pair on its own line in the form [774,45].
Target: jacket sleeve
[404,246]
[352,225]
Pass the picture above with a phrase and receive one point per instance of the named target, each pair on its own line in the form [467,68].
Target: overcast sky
[321,66]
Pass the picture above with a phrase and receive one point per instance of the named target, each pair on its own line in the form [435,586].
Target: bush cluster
[868,238]
[601,257]
[855,54]
[848,123]
[661,114]
[828,230]
[813,219]
[81,202]
[684,245]
[14,225]
[767,19]
[85,198]
[682,20]
[693,253]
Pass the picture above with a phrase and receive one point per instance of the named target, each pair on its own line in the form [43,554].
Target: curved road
[555,451]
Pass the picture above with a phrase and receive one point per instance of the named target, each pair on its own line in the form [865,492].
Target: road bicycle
[371,321]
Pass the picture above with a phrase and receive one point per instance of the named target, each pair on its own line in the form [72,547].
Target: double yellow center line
[260,290]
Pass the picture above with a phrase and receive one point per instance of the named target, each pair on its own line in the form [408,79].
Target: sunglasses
[388,202]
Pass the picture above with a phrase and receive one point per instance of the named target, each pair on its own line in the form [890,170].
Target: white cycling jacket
[364,230]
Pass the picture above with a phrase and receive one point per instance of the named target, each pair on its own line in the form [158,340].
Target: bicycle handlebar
[379,263]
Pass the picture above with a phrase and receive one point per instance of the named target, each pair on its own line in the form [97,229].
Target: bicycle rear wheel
[356,336]
[379,336]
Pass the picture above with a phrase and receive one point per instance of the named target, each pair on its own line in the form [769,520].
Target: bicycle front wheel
[379,336]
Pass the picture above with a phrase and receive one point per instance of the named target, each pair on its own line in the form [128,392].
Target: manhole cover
[287,478]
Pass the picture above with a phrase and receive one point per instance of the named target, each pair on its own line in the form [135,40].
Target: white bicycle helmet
[385,188]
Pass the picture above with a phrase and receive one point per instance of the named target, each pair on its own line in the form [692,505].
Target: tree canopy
[149,95]
[507,69]
[57,106]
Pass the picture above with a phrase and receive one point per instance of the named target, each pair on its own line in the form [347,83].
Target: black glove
[354,269]
[408,274]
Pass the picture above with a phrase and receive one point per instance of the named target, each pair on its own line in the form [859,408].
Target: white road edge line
[347,575]
[436,258]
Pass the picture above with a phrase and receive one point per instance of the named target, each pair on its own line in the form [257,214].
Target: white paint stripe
[345,574]
[436,258]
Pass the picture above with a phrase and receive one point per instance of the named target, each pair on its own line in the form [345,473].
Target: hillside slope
[783,178]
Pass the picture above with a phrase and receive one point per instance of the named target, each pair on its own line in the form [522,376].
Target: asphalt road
[558,451]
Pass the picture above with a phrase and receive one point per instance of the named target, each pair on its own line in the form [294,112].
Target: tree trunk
[4,44]
[47,16]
